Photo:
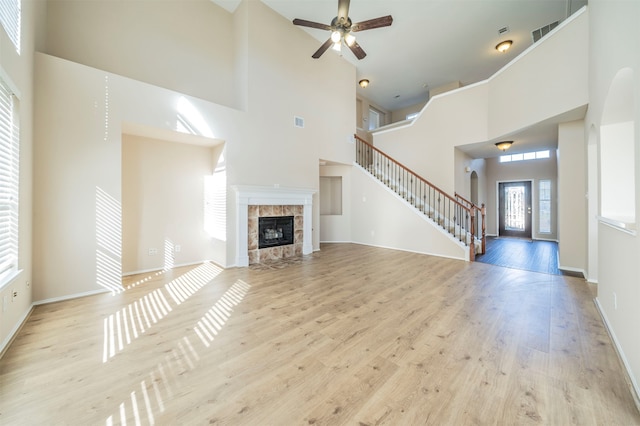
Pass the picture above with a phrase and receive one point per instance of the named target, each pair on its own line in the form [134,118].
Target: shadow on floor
[530,255]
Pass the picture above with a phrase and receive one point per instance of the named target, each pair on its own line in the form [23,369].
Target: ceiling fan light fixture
[349,39]
[336,36]
[337,46]
[503,46]
[504,145]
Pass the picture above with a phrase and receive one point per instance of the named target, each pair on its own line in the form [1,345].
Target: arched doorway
[473,191]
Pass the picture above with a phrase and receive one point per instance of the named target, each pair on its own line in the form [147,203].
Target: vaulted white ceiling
[431,43]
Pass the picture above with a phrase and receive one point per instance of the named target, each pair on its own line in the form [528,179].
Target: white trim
[71,297]
[570,269]
[14,331]
[635,389]
[626,227]
[10,278]
[408,251]
[249,195]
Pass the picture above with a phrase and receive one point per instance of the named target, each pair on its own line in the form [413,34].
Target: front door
[514,199]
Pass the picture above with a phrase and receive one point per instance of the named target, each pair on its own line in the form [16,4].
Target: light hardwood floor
[349,335]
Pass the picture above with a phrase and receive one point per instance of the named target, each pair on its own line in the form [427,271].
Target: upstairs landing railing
[452,215]
[480,213]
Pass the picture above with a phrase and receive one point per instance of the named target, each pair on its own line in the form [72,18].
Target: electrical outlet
[15,294]
[177,248]
[153,251]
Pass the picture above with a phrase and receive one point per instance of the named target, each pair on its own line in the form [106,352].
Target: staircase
[455,215]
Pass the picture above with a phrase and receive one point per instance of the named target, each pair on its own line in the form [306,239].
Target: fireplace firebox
[275,231]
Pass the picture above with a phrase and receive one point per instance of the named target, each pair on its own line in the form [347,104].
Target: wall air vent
[542,31]
[298,122]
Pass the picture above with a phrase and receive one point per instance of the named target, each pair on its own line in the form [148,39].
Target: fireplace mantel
[270,196]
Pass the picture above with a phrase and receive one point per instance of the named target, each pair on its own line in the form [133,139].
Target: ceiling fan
[342,28]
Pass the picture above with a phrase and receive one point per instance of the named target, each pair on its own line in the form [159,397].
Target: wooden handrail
[462,218]
[412,172]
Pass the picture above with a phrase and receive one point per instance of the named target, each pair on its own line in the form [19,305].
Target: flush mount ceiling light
[363,83]
[504,145]
[503,46]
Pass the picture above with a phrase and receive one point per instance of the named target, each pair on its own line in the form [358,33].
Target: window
[524,156]
[544,203]
[10,19]
[9,145]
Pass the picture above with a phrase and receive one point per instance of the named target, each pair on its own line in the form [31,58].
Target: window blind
[10,17]
[9,175]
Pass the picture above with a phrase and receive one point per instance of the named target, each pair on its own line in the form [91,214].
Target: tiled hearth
[257,255]
[253,202]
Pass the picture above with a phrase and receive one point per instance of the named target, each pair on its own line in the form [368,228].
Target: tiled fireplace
[254,202]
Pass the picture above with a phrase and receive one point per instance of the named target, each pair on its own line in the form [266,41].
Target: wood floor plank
[348,335]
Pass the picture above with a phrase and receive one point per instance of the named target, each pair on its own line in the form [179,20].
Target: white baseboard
[633,384]
[71,296]
[409,251]
[14,331]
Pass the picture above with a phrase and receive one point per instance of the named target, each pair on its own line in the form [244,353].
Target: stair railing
[480,215]
[452,215]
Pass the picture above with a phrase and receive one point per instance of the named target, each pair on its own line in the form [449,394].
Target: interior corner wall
[163,203]
[613,45]
[77,162]
[463,177]
[337,227]
[572,201]
[184,46]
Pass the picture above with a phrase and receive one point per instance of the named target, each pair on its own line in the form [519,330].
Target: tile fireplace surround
[256,201]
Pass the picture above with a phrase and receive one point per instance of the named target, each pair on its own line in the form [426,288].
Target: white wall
[572,191]
[534,170]
[163,203]
[78,146]
[17,69]
[381,218]
[463,177]
[613,45]
[188,46]
[337,228]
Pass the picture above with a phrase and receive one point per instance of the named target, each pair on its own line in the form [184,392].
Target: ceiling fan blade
[322,49]
[311,24]
[383,21]
[343,11]
[357,50]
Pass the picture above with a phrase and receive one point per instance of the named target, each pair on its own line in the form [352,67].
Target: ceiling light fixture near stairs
[363,83]
[504,145]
